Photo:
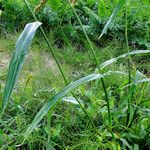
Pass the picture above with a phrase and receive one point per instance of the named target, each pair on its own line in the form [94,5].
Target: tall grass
[114,14]
[120,124]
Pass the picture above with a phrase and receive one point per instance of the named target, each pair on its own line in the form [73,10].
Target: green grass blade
[71,100]
[55,99]
[112,17]
[108,62]
[124,141]
[143,80]
[60,95]
[21,49]
[138,82]
[96,60]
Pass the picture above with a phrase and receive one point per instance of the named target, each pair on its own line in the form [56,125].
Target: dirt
[50,62]
[4,60]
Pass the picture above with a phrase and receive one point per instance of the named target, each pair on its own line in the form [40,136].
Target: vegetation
[84,83]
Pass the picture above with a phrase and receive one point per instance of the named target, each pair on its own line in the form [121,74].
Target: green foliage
[94,15]
[14,14]
[39,116]
[53,126]
[49,17]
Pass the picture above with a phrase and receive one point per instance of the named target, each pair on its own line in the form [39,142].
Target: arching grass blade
[108,62]
[44,110]
[56,98]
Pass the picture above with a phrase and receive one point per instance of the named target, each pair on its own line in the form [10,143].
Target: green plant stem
[127,41]
[58,64]
[129,67]
[97,63]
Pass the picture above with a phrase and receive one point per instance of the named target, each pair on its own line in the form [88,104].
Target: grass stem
[129,67]
[97,63]
[102,80]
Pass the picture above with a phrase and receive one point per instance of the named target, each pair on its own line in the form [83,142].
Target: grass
[108,109]
[66,126]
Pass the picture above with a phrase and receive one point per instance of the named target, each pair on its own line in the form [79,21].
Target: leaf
[71,100]
[21,49]
[143,80]
[55,99]
[125,143]
[108,62]
[48,105]
[113,16]
[136,147]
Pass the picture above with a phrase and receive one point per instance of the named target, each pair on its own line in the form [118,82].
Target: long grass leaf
[96,61]
[108,62]
[71,100]
[55,99]
[112,17]
[138,82]
[21,49]
[47,106]
[143,80]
